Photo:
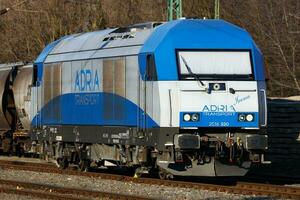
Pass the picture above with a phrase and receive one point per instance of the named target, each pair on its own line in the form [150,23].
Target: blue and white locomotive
[187,97]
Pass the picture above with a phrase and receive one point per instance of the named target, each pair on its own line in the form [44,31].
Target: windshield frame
[235,77]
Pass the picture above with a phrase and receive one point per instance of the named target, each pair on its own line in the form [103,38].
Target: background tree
[274,25]
[25,30]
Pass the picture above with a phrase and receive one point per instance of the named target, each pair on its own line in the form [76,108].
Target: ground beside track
[16,197]
[98,184]
[113,186]
[22,159]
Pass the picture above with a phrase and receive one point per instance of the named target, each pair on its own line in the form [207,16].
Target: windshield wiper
[191,72]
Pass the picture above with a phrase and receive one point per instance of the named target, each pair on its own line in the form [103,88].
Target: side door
[146,92]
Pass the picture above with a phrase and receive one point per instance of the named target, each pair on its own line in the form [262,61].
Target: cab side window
[151,74]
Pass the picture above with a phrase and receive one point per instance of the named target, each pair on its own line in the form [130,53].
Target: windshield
[215,64]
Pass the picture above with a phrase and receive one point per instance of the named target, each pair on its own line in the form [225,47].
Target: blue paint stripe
[220,119]
[103,109]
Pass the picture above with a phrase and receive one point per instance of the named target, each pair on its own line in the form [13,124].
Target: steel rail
[244,188]
[37,194]
[55,192]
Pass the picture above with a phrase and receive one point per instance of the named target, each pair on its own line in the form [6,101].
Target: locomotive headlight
[217,86]
[186,117]
[195,117]
[245,117]
[242,117]
[249,117]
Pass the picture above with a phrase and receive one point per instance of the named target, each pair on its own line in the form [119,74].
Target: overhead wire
[29,11]
[13,7]
[19,3]
[82,2]
[5,10]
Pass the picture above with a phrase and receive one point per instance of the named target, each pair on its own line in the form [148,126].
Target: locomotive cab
[212,96]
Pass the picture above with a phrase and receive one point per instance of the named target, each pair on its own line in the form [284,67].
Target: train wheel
[164,175]
[137,173]
[62,163]
[84,165]
[6,145]
[20,150]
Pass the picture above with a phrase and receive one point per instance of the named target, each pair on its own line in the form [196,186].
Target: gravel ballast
[98,184]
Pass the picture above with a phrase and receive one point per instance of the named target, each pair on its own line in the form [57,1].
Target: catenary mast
[174,9]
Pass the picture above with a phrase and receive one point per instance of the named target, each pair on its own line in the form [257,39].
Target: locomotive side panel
[132,88]
[51,112]
[104,91]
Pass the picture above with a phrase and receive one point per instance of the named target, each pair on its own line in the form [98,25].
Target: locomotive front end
[212,93]
[222,111]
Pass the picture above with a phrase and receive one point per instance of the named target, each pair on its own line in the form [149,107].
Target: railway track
[60,193]
[246,188]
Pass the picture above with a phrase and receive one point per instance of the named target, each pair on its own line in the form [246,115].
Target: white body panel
[190,96]
[243,101]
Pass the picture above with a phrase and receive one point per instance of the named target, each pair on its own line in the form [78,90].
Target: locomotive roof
[192,34]
[108,38]
[100,40]
[93,44]
[200,34]
[162,41]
